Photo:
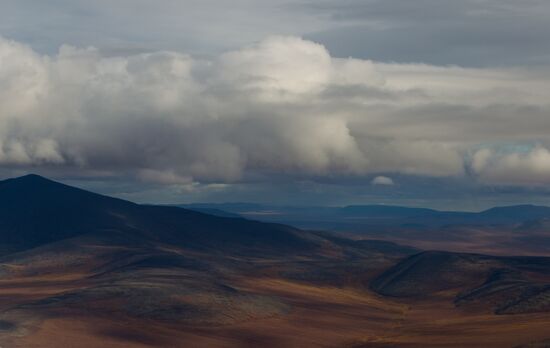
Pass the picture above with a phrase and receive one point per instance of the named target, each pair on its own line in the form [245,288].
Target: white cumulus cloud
[282,107]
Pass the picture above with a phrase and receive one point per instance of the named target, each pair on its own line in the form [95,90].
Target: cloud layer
[282,107]
[478,33]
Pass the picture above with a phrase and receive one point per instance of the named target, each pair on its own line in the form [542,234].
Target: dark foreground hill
[35,211]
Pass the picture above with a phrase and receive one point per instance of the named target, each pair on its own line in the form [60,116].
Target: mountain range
[379,214]
[520,229]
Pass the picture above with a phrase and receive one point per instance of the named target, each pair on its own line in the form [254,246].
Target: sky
[434,103]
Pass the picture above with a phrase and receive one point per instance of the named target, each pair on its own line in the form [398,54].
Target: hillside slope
[35,211]
[505,285]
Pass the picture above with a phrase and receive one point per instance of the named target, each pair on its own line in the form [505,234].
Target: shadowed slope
[36,211]
[505,285]
[431,272]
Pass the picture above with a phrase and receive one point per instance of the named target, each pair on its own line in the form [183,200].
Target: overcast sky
[437,103]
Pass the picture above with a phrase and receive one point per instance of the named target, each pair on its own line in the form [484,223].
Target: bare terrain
[319,316]
[84,270]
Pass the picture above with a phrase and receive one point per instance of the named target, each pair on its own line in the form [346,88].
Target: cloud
[283,108]
[382,180]
[279,66]
[163,177]
[136,26]
[444,32]
[530,167]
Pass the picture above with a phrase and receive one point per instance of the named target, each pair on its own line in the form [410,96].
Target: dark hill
[427,273]
[505,285]
[36,211]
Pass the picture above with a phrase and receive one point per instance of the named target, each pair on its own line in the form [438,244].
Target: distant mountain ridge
[500,214]
[508,230]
